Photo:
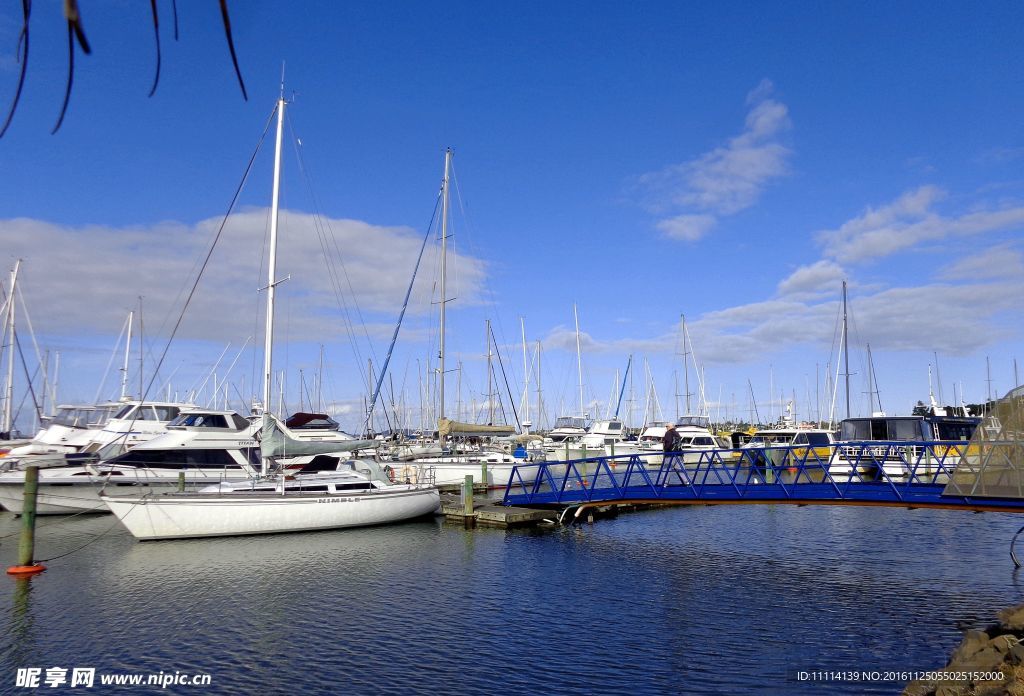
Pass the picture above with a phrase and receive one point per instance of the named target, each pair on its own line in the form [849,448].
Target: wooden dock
[492,514]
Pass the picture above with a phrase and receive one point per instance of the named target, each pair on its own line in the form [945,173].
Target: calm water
[728,599]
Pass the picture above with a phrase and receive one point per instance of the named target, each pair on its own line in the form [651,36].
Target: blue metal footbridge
[953,475]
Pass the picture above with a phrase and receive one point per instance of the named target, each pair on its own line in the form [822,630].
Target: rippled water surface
[729,599]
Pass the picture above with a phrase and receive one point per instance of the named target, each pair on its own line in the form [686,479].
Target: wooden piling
[467,495]
[27,543]
[181,481]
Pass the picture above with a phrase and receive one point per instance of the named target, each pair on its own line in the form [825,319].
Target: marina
[377,348]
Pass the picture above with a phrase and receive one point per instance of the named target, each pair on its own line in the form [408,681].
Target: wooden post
[181,480]
[27,543]
[483,474]
[467,496]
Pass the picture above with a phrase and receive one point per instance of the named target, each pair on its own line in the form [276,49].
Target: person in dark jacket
[670,440]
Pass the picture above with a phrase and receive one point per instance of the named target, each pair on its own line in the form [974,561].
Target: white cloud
[821,277]
[897,319]
[1001,261]
[907,222]
[689,228]
[85,279]
[727,179]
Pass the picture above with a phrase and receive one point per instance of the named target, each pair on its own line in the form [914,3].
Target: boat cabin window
[201,420]
[125,410]
[101,415]
[954,430]
[310,489]
[148,412]
[704,442]
[74,417]
[813,439]
[570,422]
[240,422]
[158,413]
[694,421]
[352,486]
[884,429]
[177,459]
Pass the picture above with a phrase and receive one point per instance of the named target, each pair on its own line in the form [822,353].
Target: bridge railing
[849,470]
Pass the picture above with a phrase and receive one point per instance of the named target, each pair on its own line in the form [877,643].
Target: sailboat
[491,467]
[275,502]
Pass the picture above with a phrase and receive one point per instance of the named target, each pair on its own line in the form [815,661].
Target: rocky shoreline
[997,651]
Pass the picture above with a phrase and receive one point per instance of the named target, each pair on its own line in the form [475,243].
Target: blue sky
[732,162]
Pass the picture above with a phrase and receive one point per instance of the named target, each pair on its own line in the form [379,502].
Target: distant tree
[77,34]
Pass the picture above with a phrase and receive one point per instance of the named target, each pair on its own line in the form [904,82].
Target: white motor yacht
[69,431]
[205,446]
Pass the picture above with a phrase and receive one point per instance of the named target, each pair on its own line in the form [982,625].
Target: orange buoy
[26,570]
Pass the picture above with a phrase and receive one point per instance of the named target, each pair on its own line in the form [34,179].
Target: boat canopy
[449,428]
[310,421]
[276,443]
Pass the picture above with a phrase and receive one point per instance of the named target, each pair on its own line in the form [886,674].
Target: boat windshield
[884,429]
[694,421]
[815,439]
[201,420]
[766,438]
[148,412]
[570,422]
[75,417]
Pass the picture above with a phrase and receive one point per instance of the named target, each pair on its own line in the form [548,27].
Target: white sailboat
[274,502]
[489,466]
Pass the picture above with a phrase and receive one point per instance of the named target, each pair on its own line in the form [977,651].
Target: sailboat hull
[183,516]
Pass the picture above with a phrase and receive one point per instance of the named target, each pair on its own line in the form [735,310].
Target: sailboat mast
[268,339]
[490,385]
[579,359]
[127,351]
[9,400]
[444,279]
[846,353]
[686,366]
[538,386]
[526,379]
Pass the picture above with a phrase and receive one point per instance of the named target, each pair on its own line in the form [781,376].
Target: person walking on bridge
[670,440]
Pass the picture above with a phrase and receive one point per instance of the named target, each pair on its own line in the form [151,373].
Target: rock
[1012,619]
[919,687]
[953,688]
[986,659]
[973,642]
[1015,655]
